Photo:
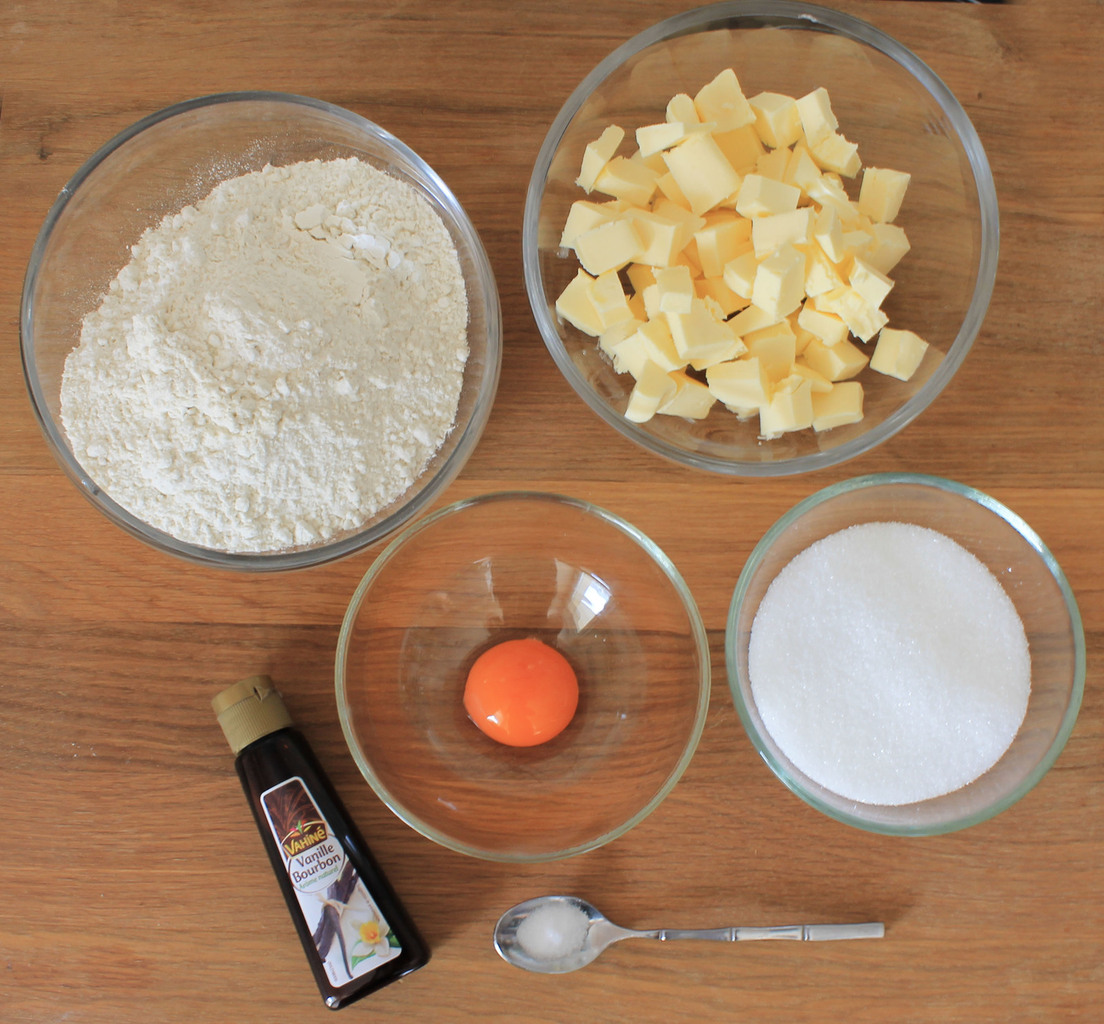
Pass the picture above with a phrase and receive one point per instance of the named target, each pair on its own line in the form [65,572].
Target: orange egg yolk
[521,692]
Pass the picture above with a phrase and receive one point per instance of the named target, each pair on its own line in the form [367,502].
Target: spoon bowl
[560,934]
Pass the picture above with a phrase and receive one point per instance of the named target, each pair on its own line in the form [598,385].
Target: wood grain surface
[134,887]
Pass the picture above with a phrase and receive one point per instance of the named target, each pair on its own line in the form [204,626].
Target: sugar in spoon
[558,934]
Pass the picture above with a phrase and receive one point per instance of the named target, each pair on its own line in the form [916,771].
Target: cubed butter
[789,408]
[691,398]
[661,238]
[771,232]
[817,119]
[609,246]
[828,327]
[841,405]
[576,306]
[837,362]
[780,282]
[609,299]
[627,179]
[680,108]
[583,216]
[742,147]
[889,246]
[700,336]
[739,383]
[759,196]
[676,289]
[653,138]
[776,118]
[869,282]
[835,153]
[701,171]
[722,102]
[898,353]
[652,388]
[597,154]
[739,273]
[776,349]
[882,193]
[724,237]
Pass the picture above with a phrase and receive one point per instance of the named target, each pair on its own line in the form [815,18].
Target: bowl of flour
[905,654]
[259,331]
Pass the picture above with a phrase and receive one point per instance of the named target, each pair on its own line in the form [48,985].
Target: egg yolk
[521,692]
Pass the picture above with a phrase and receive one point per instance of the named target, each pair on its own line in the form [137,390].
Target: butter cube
[828,327]
[691,398]
[775,347]
[698,335]
[702,172]
[655,337]
[838,362]
[688,222]
[790,408]
[759,196]
[597,154]
[835,153]
[576,306]
[751,319]
[583,216]
[609,246]
[774,230]
[742,147]
[680,108]
[863,319]
[652,388]
[842,404]
[676,289]
[821,274]
[827,192]
[629,354]
[772,164]
[652,138]
[776,118]
[669,187]
[828,232]
[661,238]
[715,290]
[724,237]
[898,353]
[739,273]
[627,179]
[612,336]
[882,192]
[640,276]
[869,282]
[817,119]
[722,102]
[739,383]
[819,385]
[801,170]
[779,283]
[889,245]
[609,299]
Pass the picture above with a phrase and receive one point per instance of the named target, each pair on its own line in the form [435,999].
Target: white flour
[275,364]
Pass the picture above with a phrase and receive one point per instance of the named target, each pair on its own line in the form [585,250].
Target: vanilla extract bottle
[355,932]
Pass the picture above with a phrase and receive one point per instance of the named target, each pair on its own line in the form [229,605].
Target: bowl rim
[698,635]
[793,15]
[1025,531]
[448,207]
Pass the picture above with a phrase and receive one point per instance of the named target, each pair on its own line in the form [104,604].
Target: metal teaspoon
[565,933]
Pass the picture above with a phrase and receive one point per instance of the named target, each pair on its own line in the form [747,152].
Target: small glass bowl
[499,567]
[887,101]
[176,157]
[1029,574]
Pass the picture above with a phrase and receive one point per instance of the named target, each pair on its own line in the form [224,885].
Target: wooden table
[134,885]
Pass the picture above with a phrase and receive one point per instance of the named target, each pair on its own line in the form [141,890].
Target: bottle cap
[249,710]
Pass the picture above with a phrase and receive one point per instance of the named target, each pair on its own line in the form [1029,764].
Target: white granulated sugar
[888,664]
[276,363]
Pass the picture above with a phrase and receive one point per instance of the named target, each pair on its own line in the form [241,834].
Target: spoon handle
[796,932]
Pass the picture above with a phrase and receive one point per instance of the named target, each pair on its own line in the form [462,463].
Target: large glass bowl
[901,116]
[1026,570]
[174,158]
[506,566]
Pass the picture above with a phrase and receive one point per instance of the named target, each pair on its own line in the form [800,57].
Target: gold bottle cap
[249,710]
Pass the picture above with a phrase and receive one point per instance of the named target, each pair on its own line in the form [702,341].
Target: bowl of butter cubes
[760,238]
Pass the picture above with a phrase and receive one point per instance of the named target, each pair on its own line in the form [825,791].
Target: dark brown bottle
[354,930]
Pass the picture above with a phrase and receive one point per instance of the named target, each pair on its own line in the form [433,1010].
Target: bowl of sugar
[905,654]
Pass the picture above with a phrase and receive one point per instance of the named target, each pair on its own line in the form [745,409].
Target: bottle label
[351,934]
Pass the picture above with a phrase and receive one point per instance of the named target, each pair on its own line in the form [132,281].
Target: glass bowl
[506,566]
[174,158]
[1028,574]
[888,102]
